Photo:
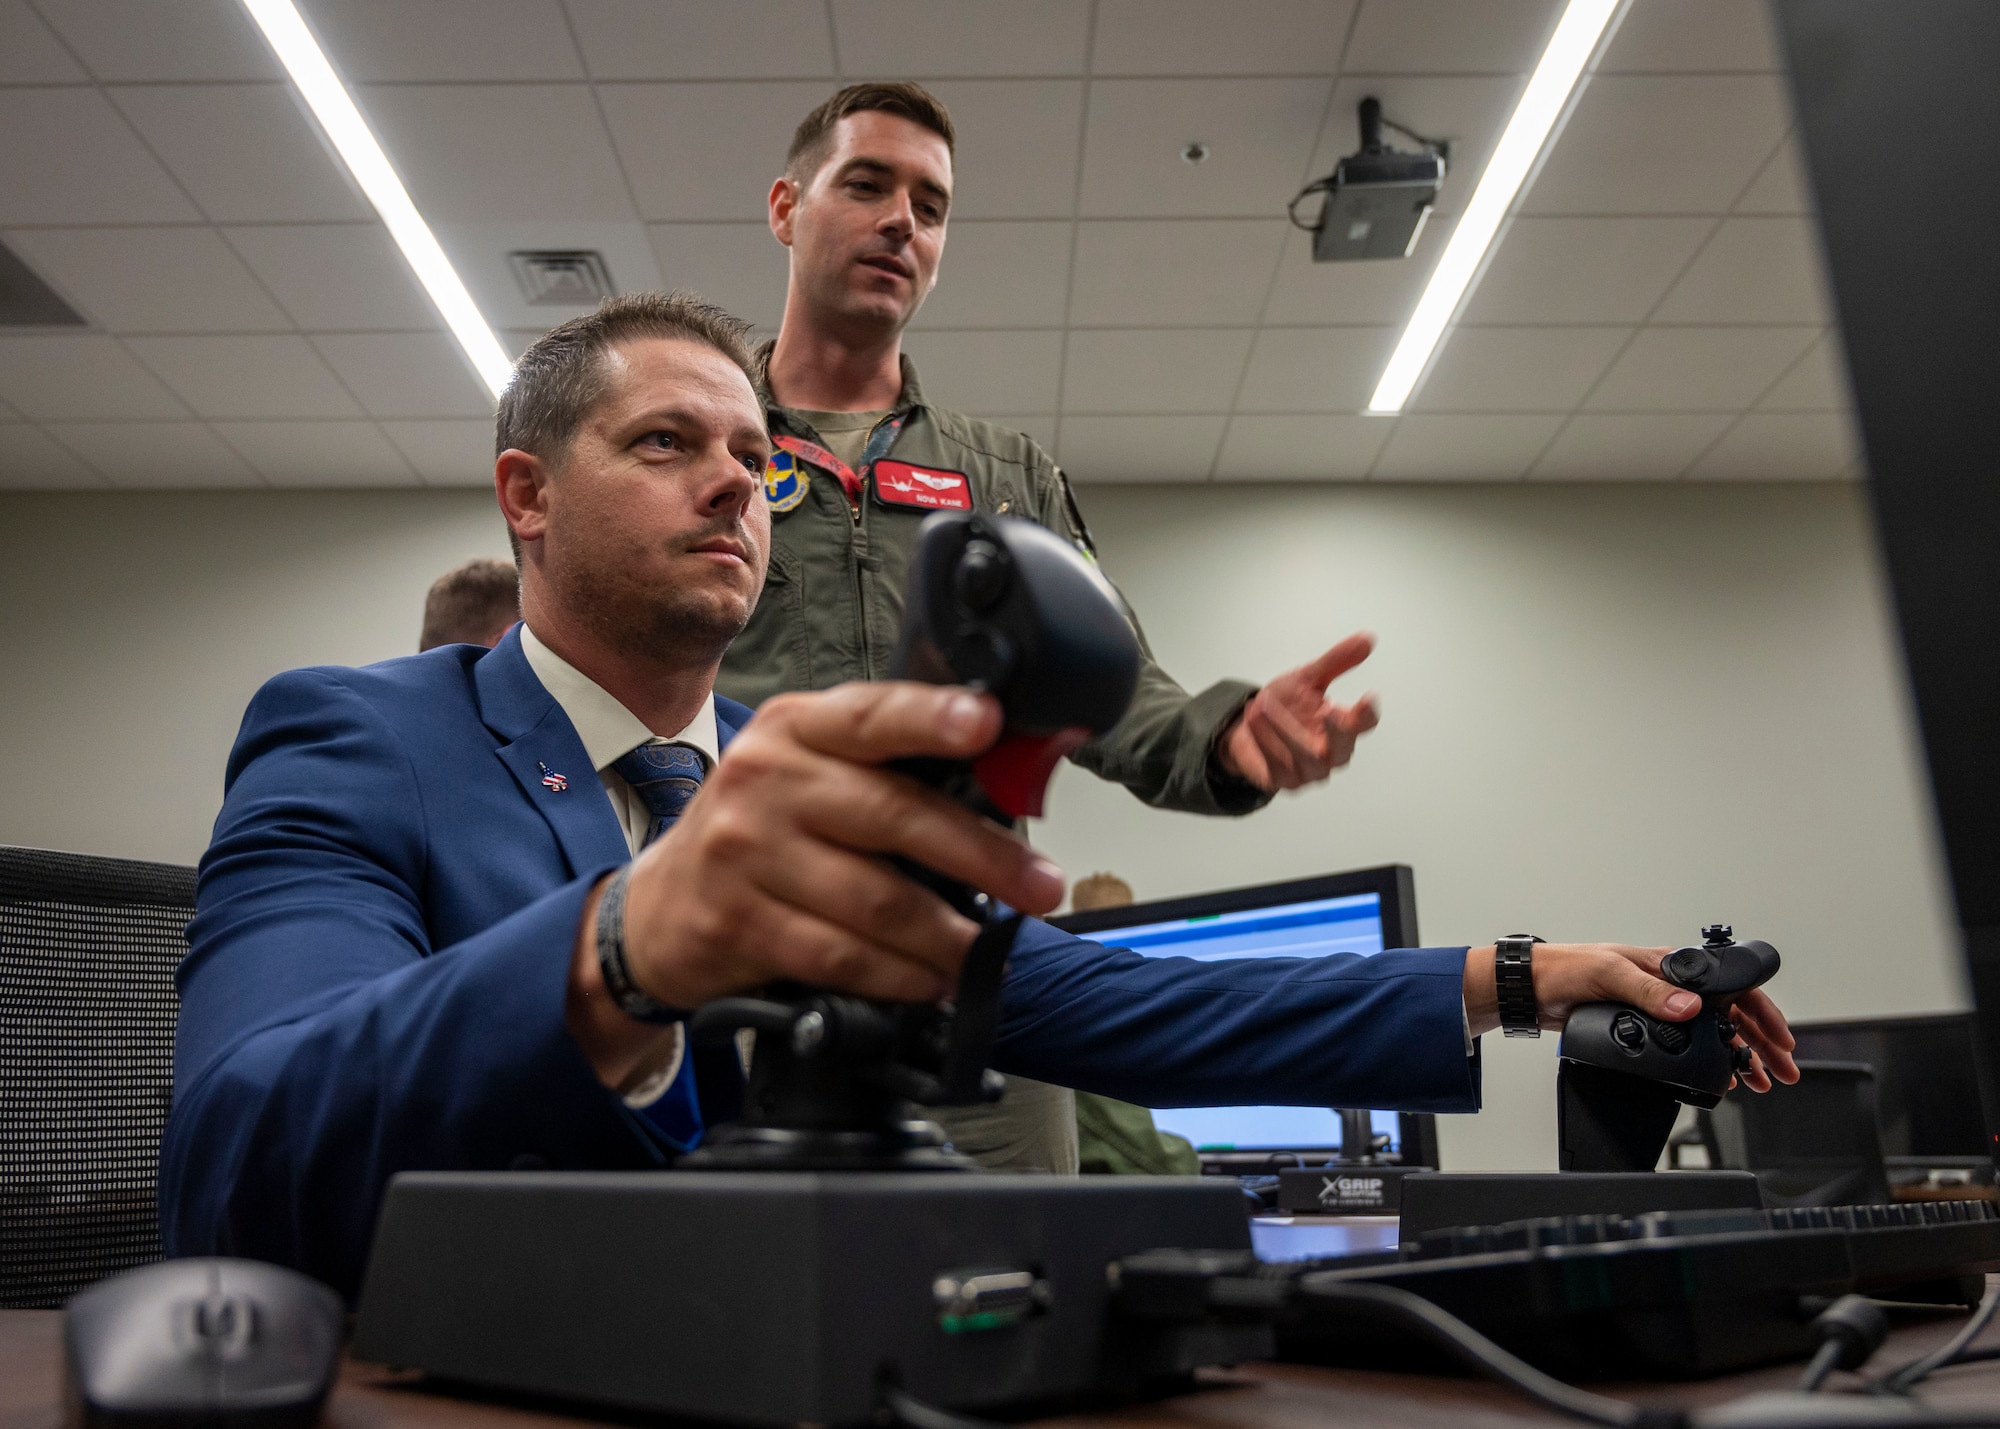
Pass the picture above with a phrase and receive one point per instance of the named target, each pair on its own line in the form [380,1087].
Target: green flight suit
[833,600]
[832,604]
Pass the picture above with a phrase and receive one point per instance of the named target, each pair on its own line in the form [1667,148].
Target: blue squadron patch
[784,482]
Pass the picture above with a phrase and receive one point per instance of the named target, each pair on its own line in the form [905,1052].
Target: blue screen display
[1312,929]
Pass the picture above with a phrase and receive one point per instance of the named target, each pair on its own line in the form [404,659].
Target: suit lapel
[546,758]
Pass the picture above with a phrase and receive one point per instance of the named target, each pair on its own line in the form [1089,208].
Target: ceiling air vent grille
[26,301]
[562,277]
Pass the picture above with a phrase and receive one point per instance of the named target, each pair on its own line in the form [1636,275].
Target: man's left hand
[1290,734]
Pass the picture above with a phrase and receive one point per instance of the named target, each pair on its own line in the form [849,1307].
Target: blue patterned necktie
[665,777]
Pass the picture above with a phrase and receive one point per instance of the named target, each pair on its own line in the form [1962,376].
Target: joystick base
[1611,1121]
[908,1146]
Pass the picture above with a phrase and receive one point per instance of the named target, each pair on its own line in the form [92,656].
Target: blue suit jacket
[377,969]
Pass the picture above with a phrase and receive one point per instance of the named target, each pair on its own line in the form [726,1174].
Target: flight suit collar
[911,397]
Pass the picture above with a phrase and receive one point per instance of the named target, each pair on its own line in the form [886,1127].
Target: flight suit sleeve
[1164,748]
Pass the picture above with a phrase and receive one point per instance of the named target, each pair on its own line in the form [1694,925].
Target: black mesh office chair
[1816,1143]
[88,948]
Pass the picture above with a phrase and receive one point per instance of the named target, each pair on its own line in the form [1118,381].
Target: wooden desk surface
[1264,1396]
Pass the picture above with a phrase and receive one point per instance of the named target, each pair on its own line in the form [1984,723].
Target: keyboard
[1664,1295]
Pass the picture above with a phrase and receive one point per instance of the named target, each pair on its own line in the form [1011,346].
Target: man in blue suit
[455,903]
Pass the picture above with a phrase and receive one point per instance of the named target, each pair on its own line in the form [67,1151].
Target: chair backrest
[1816,1143]
[88,948]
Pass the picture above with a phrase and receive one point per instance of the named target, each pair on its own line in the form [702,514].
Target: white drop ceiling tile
[1782,186]
[31,461]
[1584,270]
[416,40]
[1165,37]
[1708,36]
[1315,369]
[1039,426]
[988,371]
[80,378]
[973,37]
[406,374]
[514,340]
[1662,144]
[500,152]
[123,41]
[8,414]
[1381,290]
[1698,369]
[1654,446]
[1300,448]
[1517,369]
[996,275]
[1440,447]
[704,151]
[698,39]
[69,158]
[446,453]
[1259,133]
[1772,446]
[336,277]
[1173,272]
[1818,383]
[246,377]
[1101,450]
[30,52]
[1184,370]
[739,266]
[247,153]
[1017,146]
[329,454]
[178,455]
[152,279]
[1755,270]
[1450,36]
[1468,110]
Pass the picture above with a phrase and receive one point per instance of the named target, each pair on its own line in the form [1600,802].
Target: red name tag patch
[898,483]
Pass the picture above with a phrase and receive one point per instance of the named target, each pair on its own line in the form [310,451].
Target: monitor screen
[1361,912]
[1927,1098]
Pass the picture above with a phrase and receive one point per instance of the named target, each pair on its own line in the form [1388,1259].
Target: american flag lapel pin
[551,780]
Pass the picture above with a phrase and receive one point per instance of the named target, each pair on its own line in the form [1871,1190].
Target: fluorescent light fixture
[1542,104]
[334,107]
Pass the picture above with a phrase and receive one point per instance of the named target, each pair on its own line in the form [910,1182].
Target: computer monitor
[1926,1079]
[1361,912]
[1900,119]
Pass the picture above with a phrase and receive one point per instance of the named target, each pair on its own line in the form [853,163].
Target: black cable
[1474,1350]
[1317,186]
[1901,1379]
[913,1413]
[1825,1360]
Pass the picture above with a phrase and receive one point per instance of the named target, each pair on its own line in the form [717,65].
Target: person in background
[472,604]
[861,456]
[1115,1138]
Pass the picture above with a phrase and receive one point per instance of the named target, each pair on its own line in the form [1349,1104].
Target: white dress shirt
[609,732]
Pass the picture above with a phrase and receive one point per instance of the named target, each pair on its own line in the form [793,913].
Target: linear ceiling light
[306,63]
[1542,103]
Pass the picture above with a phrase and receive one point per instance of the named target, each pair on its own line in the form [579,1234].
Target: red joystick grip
[1015,772]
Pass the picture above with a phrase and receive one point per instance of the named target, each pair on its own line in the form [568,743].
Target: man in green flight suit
[862,458]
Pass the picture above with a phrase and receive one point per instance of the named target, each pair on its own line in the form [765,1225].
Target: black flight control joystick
[999,605]
[1624,1074]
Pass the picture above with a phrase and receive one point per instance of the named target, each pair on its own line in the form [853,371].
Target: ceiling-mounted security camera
[1376,200]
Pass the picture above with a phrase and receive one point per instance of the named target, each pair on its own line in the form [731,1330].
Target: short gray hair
[561,378]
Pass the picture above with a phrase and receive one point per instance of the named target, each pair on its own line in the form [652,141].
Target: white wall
[1609,712]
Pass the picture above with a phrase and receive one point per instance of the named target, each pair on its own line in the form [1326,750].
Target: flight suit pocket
[773,654]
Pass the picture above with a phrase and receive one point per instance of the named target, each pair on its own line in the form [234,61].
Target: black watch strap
[631,999]
[1514,980]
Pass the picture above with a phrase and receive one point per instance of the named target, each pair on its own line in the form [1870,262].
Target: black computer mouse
[191,1343]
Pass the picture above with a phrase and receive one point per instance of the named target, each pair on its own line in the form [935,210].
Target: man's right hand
[776,870]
